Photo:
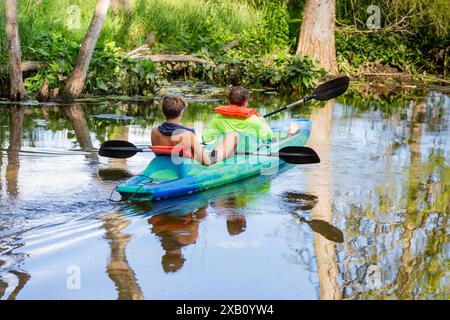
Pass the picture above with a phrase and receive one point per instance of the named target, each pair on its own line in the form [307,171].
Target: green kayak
[167,177]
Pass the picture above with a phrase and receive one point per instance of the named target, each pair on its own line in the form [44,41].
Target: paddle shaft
[277,154]
[326,91]
[289,106]
[240,153]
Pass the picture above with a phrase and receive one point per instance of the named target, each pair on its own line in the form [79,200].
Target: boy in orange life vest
[237,117]
[173,133]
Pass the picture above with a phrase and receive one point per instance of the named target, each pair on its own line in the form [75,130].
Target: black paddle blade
[327,230]
[298,155]
[331,89]
[117,149]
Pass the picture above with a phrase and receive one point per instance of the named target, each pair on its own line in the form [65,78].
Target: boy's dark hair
[238,96]
[236,225]
[172,106]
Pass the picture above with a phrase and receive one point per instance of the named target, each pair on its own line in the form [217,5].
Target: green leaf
[102,85]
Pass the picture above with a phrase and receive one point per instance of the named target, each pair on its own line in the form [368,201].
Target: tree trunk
[317,33]
[75,84]
[17,90]
[118,5]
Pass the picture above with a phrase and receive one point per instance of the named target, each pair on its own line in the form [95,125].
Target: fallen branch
[173,58]
[28,66]
[394,74]
[231,45]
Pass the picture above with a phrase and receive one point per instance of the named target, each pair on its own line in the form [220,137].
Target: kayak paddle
[294,155]
[326,91]
[324,228]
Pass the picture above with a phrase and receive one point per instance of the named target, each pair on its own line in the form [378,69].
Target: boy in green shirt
[237,117]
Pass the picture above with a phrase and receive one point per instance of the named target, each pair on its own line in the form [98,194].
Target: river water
[369,222]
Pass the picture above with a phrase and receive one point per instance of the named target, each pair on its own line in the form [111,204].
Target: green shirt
[253,125]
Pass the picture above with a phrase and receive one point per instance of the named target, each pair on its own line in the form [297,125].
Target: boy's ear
[245,104]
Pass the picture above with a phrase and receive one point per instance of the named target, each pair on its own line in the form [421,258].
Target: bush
[110,72]
[279,70]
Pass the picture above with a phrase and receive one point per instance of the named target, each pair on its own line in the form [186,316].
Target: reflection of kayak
[242,193]
[165,177]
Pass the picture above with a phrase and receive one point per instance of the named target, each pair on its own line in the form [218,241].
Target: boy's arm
[265,132]
[200,154]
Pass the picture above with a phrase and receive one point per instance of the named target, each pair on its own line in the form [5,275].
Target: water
[369,222]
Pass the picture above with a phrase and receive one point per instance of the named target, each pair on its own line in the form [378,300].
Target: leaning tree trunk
[317,33]
[17,90]
[118,5]
[75,84]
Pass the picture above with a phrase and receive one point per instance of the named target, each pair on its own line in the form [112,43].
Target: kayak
[167,176]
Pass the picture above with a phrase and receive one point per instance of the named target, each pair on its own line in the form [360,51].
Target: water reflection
[373,216]
[176,222]
[320,183]
[17,113]
[399,236]
[118,267]
[175,233]
[75,113]
[20,277]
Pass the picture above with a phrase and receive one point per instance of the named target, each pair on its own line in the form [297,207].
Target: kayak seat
[172,150]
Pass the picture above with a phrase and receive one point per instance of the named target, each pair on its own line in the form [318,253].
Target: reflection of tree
[420,268]
[175,233]
[118,268]
[15,143]
[118,133]
[3,287]
[1,150]
[77,116]
[404,257]
[414,183]
[321,184]
[22,279]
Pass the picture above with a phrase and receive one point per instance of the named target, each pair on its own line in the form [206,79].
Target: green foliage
[198,27]
[353,50]
[264,29]
[276,70]
[185,26]
[414,34]
[110,71]
[276,23]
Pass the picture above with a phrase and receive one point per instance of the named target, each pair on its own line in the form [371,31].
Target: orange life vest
[169,150]
[235,111]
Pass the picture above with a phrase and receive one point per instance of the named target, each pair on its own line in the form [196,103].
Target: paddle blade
[327,230]
[117,149]
[298,155]
[331,89]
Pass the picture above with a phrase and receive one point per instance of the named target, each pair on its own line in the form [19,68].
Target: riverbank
[236,42]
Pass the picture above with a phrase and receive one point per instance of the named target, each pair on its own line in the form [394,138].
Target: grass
[179,25]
